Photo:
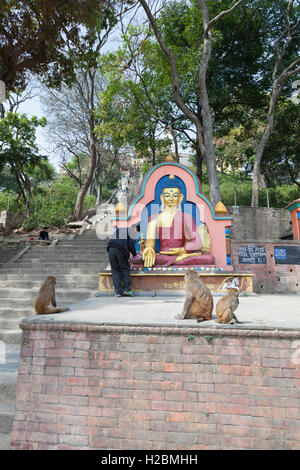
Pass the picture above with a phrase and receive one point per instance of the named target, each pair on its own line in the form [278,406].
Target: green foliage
[33,35]
[126,112]
[18,148]
[279,196]
[281,159]
[7,180]
[209,338]
[145,168]
[4,197]
[52,208]
[89,202]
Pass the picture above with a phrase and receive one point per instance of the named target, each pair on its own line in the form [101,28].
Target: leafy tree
[286,62]
[7,180]
[281,158]
[240,45]
[80,108]
[126,116]
[55,204]
[18,149]
[220,66]
[204,127]
[33,34]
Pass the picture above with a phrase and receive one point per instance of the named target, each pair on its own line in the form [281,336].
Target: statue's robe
[182,233]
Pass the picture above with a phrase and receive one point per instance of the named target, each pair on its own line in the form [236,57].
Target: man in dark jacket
[119,248]
[44,235]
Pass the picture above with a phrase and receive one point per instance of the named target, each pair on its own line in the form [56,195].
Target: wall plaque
[252,254]
[287,254]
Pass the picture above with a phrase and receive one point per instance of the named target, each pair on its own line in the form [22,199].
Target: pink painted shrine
[179,224]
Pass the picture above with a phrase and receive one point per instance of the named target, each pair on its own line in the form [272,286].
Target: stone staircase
[75,261]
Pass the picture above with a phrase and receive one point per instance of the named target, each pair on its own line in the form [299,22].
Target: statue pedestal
[172,279]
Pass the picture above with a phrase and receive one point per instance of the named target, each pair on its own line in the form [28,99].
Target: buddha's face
[171,197]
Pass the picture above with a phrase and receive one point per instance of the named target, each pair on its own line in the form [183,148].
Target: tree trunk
[83,190]
[206,133]
[199,164]
[261,147]
[99,194]
[207,121]
[153,156]
[175,144]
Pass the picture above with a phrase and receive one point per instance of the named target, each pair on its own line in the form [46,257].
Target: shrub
[4,196]
[52,208]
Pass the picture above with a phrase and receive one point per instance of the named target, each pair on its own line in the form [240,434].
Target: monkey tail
[48,311]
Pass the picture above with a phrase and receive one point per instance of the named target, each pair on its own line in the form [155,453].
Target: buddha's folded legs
[166,260]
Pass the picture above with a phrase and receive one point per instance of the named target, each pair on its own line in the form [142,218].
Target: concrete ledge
[118,328]
[262,312]
[168,294]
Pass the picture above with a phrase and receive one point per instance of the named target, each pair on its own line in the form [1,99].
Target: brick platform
[84,386]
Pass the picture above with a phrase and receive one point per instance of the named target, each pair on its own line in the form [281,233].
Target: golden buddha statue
[180,240]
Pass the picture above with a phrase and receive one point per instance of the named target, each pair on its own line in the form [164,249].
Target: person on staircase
[119,248]
[44,235]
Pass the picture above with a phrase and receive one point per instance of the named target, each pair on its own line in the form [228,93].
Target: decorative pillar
[221,211]
[294,208]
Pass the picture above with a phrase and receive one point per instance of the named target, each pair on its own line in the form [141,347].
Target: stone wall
[259,223]
[270,278]
[122,387]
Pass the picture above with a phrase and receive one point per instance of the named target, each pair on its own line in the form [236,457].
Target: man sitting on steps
[119,248]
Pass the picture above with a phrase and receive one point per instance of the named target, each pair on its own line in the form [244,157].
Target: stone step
[13,323]
[87,246]
[11,337]
[28,293]
[15,312]
[70,246]
[61,258]
[9,371]
[101,240]
[67,250]
[74,258]
[52,263]
[8,382]
[90,282]
[8,303]
[39,276]
[5,441]
[62,300]
[44,271]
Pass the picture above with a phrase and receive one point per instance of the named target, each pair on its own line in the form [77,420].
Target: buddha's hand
[174,251]
[148,257]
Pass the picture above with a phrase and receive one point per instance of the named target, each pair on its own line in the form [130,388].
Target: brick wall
[270,278]
[121,387]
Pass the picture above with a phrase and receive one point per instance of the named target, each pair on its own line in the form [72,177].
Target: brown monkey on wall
[46,295]
[198,302]
[227,305]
